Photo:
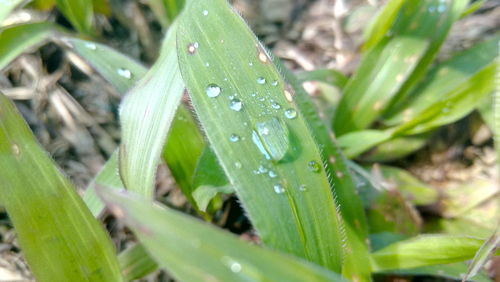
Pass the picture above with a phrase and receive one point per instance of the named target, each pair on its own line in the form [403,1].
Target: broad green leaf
[453,271]
[120,70]
[220,57]
[54,227]
[329,76]
[146,115]
[136,263]
[79,13]
[397,148]
[445,78]
[378,79]
[192,250]
[380,25]
[426,250]
[483,254]
[6,7]
[353,222]
[412,188]
[14,40]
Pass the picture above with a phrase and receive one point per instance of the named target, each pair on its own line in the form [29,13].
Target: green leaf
[192,250]
[146,115]
[220,57]
[6,7]
[357,142]
[79,13]
[136,263]
[453,271]
[455,203]
[397,148]
[353,223]
[474,6]
[173,8]
[425,250]
[483,254]
[54,227]
[14,40]
[330,76]
[457,226]
[381,24]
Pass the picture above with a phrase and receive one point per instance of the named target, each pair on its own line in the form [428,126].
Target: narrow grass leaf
[330,76]
[426,250]
[353,225]
[146,115]
[173,8]
[454,271]
[6,7]
[14,40]
[397,148]
[483,255]
[473,7]
[192,250]
[136,263]
[357,142]
[380,25]
[239,96]
[79,13]
[54,227]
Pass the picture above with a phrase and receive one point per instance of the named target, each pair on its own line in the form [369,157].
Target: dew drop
[192,48]
[303,188]
[236,105]
[441,8]
[207,64]
[124,73]
[288,96]
[290,113]
[238,165]
[250,64]
[213,90]
[274,83]
[262,169]
[261,80]
[235,267]
[91,46]
[431,9]
[276,106]
[205,12]
[314,166]
[234,138]
[272,138]
[272,174]
[15,150]
[279,189]
[262,57]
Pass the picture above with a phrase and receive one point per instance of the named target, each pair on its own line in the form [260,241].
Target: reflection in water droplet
[261,80]
[303,188]
[234,138]
[238,165]
[279,189]
[272,174]
[213,90]
[124,73]
[314,166]
[235,105]
[276,106]
[290,114]
[205,12]
[271,138]
[91,46]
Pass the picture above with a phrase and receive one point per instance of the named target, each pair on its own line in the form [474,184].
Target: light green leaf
[357,142]
[54,227]
[330,76]
[425,250]
[397,148]
[474,6]
[6,7]
[79,13]
[219,57]
[146,115]
[192,250]
[483,255]
[136,263]
[381,24]
[14,40]
[453,271]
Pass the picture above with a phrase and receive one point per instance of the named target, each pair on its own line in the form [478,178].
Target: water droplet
[303,188]
[192,48]
[262,169]
[314,166]
[332,159]
[15,150]
[250,64]
[290,114]
[279,189]
[124,73]
[238,165]
[207,64]
[234,138]
[91,46]
[272,174]
[236,105]
[271,138]
[235,267]
[339,174]
[261,80]
[213,90]
[262,57]
[205,12]
[431,9]
[274,83]
[276,106]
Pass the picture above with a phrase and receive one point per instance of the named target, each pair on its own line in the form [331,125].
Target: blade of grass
[219,57]
[14,40]
[146,114]
[453,271]
[192,250]
[426,250]
[6,7]
[483,255]
[329,76]
[380,25]
[136,263]
[54,227]
[398,148]
[79,13]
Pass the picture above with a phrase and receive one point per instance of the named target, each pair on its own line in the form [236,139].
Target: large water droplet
[213,90]
[279,189]
[235,105]
[271,138]
[234,138]
[124,73]
[91,46]
[314,166]
[261,80]
[290,113]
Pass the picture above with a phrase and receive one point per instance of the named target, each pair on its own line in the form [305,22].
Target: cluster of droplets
[441,8]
